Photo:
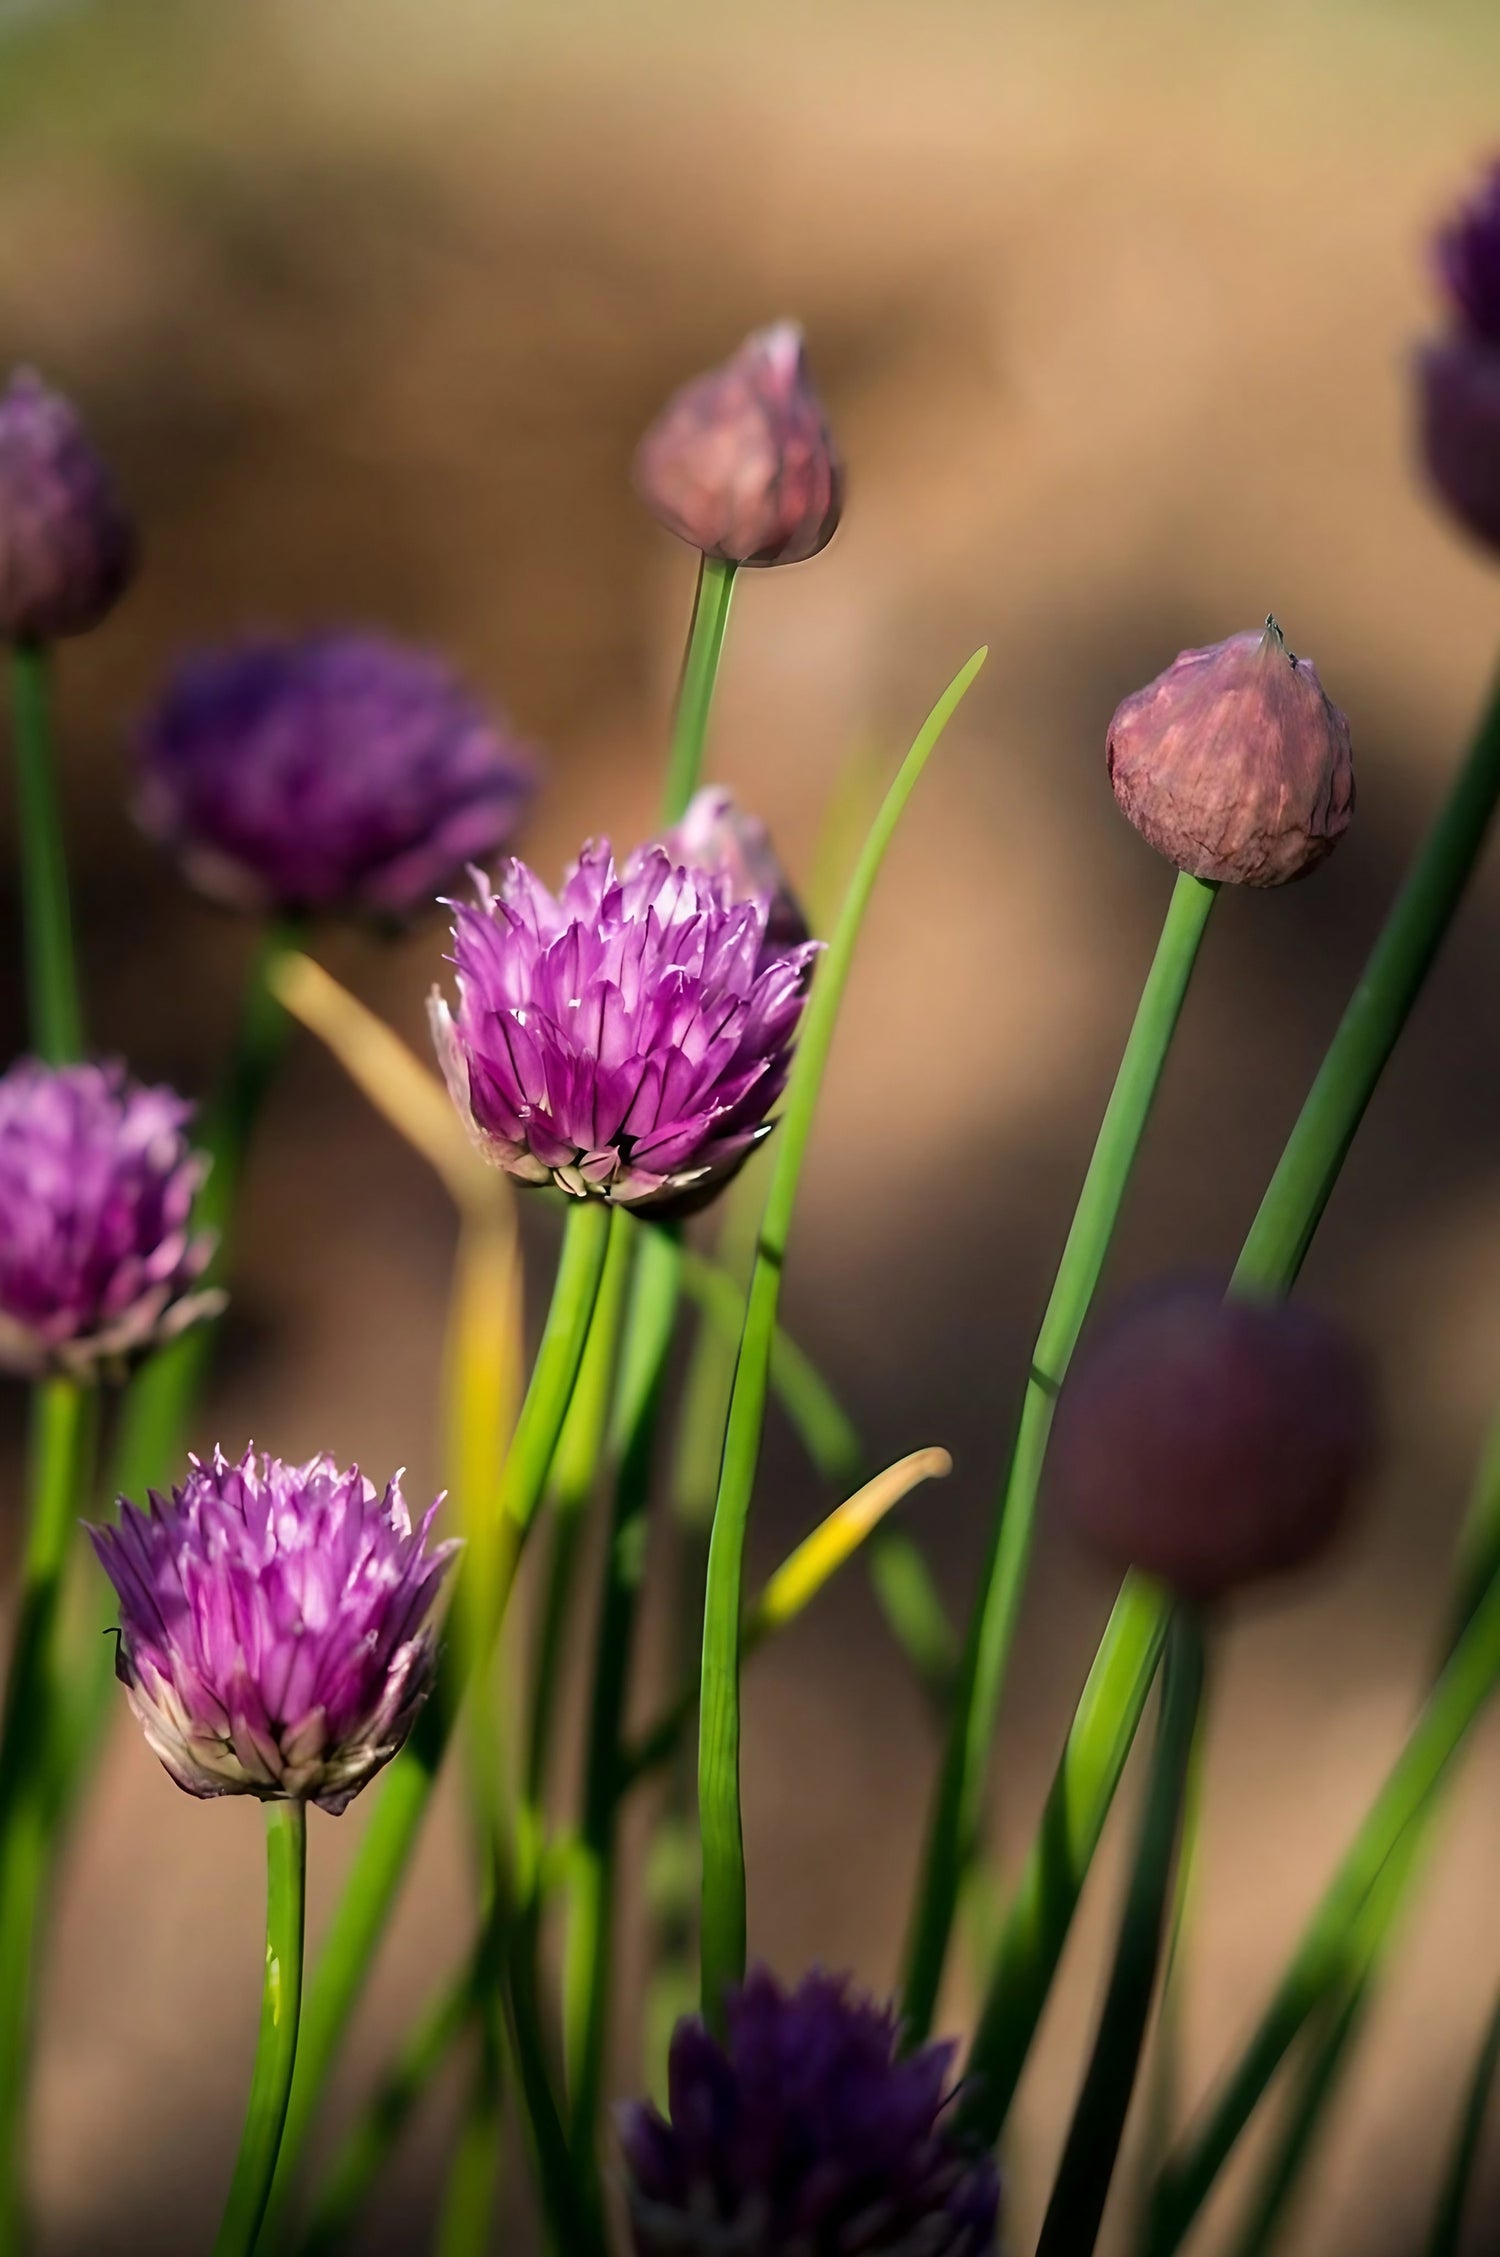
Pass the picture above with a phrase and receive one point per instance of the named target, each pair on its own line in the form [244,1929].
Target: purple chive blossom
[716,834]
[1458,372]
[97,1256]
[67,548]
[626,1037]
[806,2130]
[338,774]
[273,1626]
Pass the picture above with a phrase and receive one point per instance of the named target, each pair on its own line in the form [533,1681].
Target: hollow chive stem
[51,974]
[280,2009]
[1037,1925]
[360,1916]
[722,1941]
[700,673]
[955,1819]
[1081,2190]
[1458,2179]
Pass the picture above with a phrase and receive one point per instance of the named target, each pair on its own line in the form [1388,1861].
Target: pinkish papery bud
[1209,1442]
[67,548]
[274,1638]
[717,835]
[1458,374]
[1234,764]
[739,464]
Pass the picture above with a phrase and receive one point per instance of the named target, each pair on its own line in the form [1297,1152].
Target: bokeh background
[1113,306]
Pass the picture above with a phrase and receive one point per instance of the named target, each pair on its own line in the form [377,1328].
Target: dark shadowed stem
[1320,2072]
[1453,2199]
[51,976]
[466,2225]
[1081,2189]
[281,2003]
[700,672]
[370,1892]
[590,1955]
[954,1825]
[722,1938]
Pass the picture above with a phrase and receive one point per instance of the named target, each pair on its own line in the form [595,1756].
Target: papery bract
[625,1038]
[739,464]
[274,1638]
[717,834]
[67,548]
[97,1255]
[335,774]
[1234,764]
[807,2130]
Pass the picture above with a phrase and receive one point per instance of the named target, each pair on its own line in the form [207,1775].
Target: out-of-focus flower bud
[1234,764]
[67,548]
[333,774]
[1459,373]
[98,1259]
[717,835]
[1211,1442]
[273,1626]
[808,2128]
[739,463]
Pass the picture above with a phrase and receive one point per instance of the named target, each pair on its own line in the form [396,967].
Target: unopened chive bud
[67,547]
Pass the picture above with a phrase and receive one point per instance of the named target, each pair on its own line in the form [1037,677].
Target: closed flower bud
[67,548]
[717,835]
[807,2129]
[1211,1443]
[1459,372]
[329,775]
[1234,764]
[739,464]
[274,1638]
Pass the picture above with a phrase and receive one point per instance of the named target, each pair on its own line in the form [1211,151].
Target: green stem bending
[51,974]
[1453,2198]
[723,1887]
[1081,2191]
[960,1793]
[700,672]
[370,1892]
[281,2002]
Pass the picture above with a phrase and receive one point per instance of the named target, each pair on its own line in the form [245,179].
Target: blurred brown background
[1112,306]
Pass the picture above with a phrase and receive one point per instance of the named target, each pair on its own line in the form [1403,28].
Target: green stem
[1076,2210]
[960,1794]
[281,2000]
[700,672]
[466,2224]
[1453,2201]
[51,974]
[1306,2114]
[370,1892]
[723,1899]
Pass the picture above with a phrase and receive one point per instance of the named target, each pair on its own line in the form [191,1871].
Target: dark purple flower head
[97,1256]
[1467,257]
[717,834]
[805,2130]
[273,1626]
[67,548]
[1458,373]
[337,774]
[1234,762]
[626,1037]
[739,464]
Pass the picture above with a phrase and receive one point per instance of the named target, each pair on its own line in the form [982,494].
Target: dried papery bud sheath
[98,1260]
[625,1038]
[740,464]
[717,834]
[274,1638]
[1234,763]
[1212,1443]
[1458,372]
[67,547]
[806,2129]
[337,774]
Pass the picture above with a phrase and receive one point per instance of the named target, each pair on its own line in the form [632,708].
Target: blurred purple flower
[96,1192]
[739,464]
[627,1037]
[273,1632]
[1459,372]
[716,834]
[67,548]
[806,2129]
[334,774]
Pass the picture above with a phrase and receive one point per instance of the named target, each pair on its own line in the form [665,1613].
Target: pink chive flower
[739,464]
[67,548]
[274,1634]
[625,1038]
[98,1258]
